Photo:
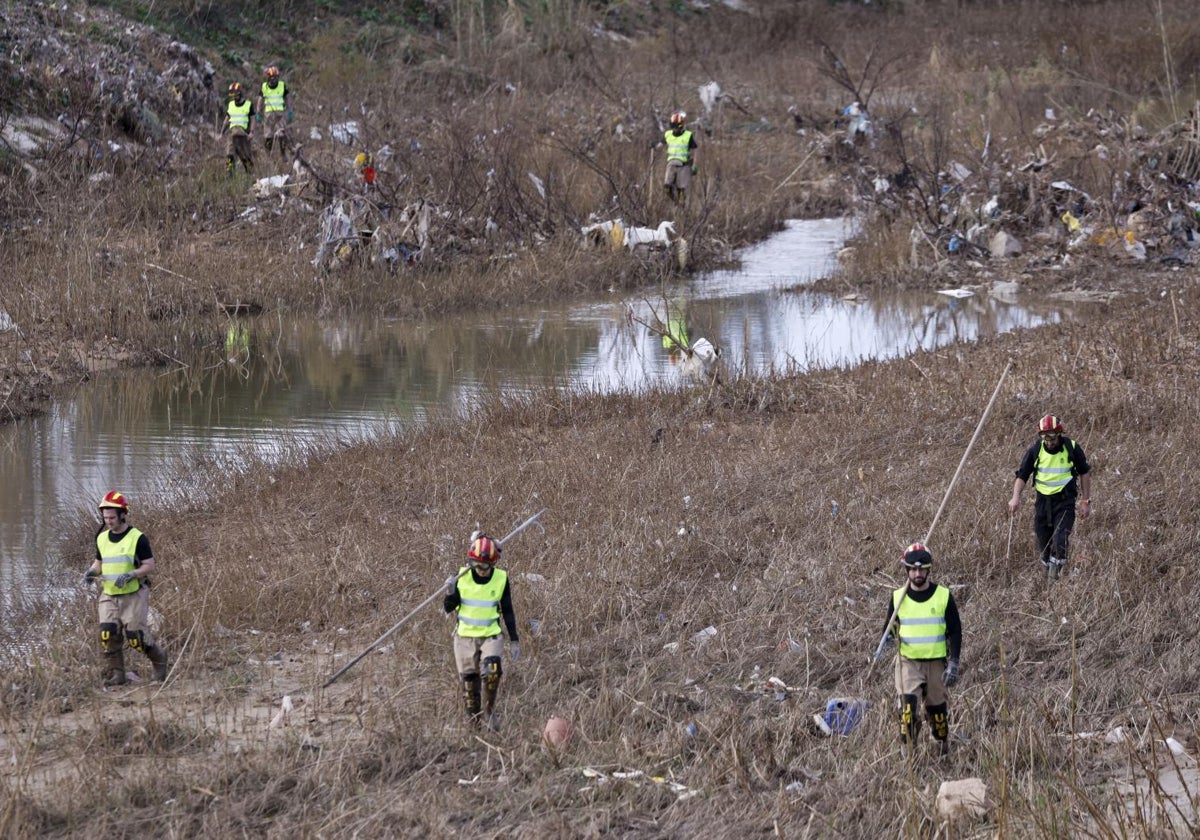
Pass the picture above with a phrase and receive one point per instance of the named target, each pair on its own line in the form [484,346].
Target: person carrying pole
[480,598]
[1060,473]
[930,640]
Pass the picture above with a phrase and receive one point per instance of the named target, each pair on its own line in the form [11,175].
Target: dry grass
[726,522]
[159,252]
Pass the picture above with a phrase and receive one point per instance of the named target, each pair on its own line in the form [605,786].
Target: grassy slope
[727,523]
[298,555]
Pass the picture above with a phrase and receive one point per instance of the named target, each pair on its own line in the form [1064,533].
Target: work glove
[291,115]
[693,169]
[515,652]
[123,580]
[258,118]
[89,577]
[950,677]
[451,585]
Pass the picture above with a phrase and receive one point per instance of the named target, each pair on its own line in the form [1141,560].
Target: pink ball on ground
[557,732]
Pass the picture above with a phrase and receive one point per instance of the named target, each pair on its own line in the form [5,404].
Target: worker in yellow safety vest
[1061,475]
[681,158]
[122,566]
[239,116]
[480,594]
[275,111]
[924,617]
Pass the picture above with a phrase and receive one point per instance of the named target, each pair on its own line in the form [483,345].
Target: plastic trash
[842,714]
[705,634]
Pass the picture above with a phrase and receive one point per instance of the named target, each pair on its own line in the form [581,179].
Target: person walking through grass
[275,111]
[924,616]
[123,565]
[1060,473]
[681,158]
[480,594]
[239,113]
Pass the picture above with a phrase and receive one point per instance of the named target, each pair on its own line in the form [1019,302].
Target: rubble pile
[1094,188]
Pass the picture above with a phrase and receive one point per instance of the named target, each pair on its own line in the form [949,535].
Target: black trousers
[1053,521]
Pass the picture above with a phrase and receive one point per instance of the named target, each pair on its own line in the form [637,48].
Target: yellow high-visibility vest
[1053,471]
[116,559]
[479,604]
[678,145]
[239,115]
[922,624]
[273,96]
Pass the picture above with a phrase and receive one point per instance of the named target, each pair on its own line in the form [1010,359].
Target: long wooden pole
[978,428]
[530,521]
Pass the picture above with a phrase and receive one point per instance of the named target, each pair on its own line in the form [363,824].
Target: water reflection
[306,384]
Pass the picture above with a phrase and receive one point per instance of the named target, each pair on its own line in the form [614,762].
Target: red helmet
[272,72]
[916,556]
[235,88]
[1050,425]
[484,549]
[678,118]
[114,499]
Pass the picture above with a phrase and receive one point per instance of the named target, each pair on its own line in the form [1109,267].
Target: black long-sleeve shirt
[450,604]
[953,624]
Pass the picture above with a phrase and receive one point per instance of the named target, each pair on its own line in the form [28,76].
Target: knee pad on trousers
[910,724]
[939,720]
[110,636]
[136,640]
[491,672]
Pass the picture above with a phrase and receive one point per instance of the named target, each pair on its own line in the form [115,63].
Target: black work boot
[471,696]
[114,667]
[491,687]
[158,658]
[910,724]
[939,722]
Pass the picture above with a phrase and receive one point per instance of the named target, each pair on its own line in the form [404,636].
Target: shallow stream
[313,384]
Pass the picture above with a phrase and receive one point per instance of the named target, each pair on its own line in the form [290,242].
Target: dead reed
[725,518]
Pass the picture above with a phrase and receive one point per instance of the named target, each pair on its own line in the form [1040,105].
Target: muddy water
[304,385]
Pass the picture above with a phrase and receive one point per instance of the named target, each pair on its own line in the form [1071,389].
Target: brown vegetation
[667,513]
[727,520]
[149,248]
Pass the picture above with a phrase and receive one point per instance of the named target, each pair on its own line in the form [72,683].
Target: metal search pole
[530,521]
[978,428]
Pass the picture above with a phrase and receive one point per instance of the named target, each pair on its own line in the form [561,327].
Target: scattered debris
[962,798]
[635,777]
[285,709]
[659,237]
[842,715]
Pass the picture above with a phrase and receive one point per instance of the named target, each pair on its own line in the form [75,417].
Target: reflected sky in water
[305,385]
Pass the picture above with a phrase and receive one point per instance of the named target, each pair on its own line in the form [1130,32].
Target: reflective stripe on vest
[479,604]
[1053,470]
[273,97]
[239,115]
[677,146]
[116,559]
[922,624]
